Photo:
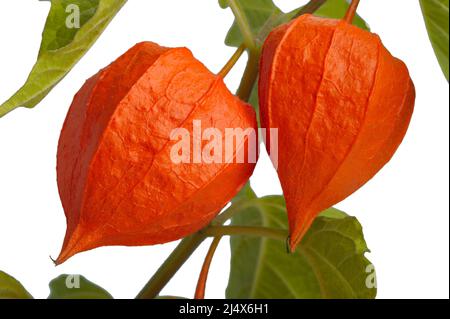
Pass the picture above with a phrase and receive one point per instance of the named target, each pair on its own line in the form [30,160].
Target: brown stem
[230,64]
[201,285]
[181,254]
[350,15]
[311,7]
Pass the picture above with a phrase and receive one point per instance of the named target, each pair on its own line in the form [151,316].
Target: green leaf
[10,288]
[264,13]
[76,287]
[56,34]
[244,194]
[329,262]
[257,13]
[63,45]
[435,13]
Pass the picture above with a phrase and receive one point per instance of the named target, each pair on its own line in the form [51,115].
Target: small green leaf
[435,13]
[264,13]
[64,42]
[76,287]
[10,288]
[257,13]
[329,262]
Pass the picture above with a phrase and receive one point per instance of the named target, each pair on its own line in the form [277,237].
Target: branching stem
[170,267]
[272,233]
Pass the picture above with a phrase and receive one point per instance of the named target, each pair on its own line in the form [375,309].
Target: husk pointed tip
[293,244]
[63,257]
[298,232]
[74,243]
[65,254]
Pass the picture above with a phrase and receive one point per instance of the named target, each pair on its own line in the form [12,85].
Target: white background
[404,210]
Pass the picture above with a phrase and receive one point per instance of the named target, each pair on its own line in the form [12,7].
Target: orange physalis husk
[117,181]
[342,104]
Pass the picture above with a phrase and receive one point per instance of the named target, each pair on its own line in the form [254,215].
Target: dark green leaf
[435,13]
[329,262]
[63,45]
[10,288]
[76,287]
[264,13]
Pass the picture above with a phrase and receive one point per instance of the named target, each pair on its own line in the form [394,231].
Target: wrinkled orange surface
[342,104]
[117,182]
